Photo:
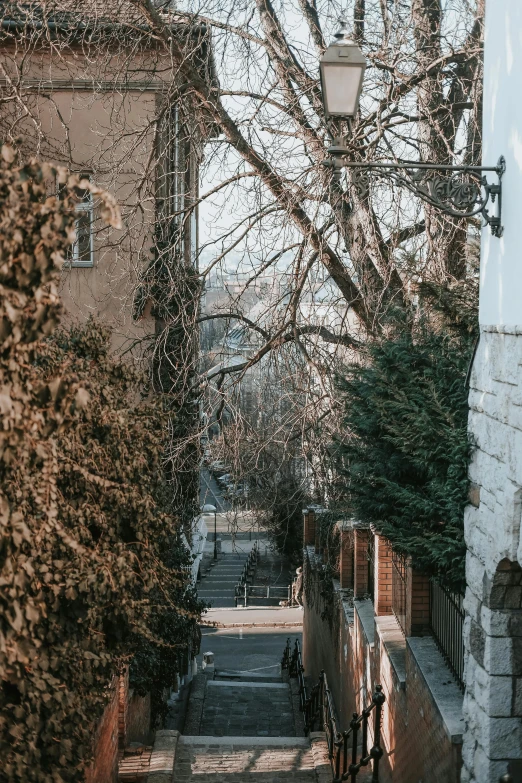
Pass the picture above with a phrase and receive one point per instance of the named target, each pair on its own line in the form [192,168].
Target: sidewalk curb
[216,624]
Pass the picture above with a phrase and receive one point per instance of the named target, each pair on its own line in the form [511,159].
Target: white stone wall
[500,269]
[493,626]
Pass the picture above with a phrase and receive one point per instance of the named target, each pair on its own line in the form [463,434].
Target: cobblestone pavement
[202,760]
[247,710]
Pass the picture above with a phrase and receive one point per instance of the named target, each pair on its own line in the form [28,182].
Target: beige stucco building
[98,94]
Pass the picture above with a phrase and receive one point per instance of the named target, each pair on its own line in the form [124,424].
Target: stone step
[230,572]
[228,674]
[248,684]
[209,759]
[208,584]
[226,575]
[259,742]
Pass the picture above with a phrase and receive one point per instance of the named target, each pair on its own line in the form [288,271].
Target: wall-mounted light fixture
[456,190]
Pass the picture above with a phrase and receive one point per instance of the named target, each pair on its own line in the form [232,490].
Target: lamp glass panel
[341,85]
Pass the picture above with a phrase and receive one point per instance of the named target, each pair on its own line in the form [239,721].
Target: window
[82,254]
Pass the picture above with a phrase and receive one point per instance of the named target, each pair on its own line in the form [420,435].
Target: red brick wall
[123,703]
[424,751]
[309,527]
[383,576]
[346,545]
[361,538]
[320,645]
[104,768]
[417,747]
[417,603]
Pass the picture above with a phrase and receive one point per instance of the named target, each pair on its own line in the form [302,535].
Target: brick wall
[417,603]
[125,719]
[104,768]
[320,647]
[383,576]
[355,658]
[361,538]
[426,752]
[123,704]
[346,555]
[308,527]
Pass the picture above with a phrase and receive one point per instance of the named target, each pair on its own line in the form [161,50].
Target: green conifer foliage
[404,456]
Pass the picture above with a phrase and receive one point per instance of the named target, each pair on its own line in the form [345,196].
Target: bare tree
[278,213]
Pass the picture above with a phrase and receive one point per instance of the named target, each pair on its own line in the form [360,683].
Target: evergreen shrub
[403,459]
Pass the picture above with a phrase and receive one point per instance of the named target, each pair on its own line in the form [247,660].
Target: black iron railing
[247,573]
[447,623]
[348,751]
[399,569]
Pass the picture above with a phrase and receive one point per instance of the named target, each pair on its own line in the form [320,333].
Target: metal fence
[399,589]
[348,751]
[262,592]
[447,621]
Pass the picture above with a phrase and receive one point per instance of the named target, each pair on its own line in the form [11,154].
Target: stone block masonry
[493,604]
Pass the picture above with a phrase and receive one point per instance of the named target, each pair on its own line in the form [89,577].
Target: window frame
[75,262]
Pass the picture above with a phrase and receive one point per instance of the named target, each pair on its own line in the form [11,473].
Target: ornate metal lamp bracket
[459,191]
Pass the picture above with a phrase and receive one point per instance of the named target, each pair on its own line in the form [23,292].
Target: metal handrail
[245,574]
[264,591]
[342,745]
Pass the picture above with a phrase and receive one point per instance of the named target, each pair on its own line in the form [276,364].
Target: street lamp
[208,508]
[342,69]
[462,191]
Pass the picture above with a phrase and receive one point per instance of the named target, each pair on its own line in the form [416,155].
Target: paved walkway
[266,617]
[247,709]
[243,721]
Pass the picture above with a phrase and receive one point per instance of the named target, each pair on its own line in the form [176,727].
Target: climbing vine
[91,563]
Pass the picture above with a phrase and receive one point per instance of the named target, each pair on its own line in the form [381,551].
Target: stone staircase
[245,727]
[217,585]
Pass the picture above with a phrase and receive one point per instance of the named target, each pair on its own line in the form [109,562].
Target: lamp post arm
[464,192]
